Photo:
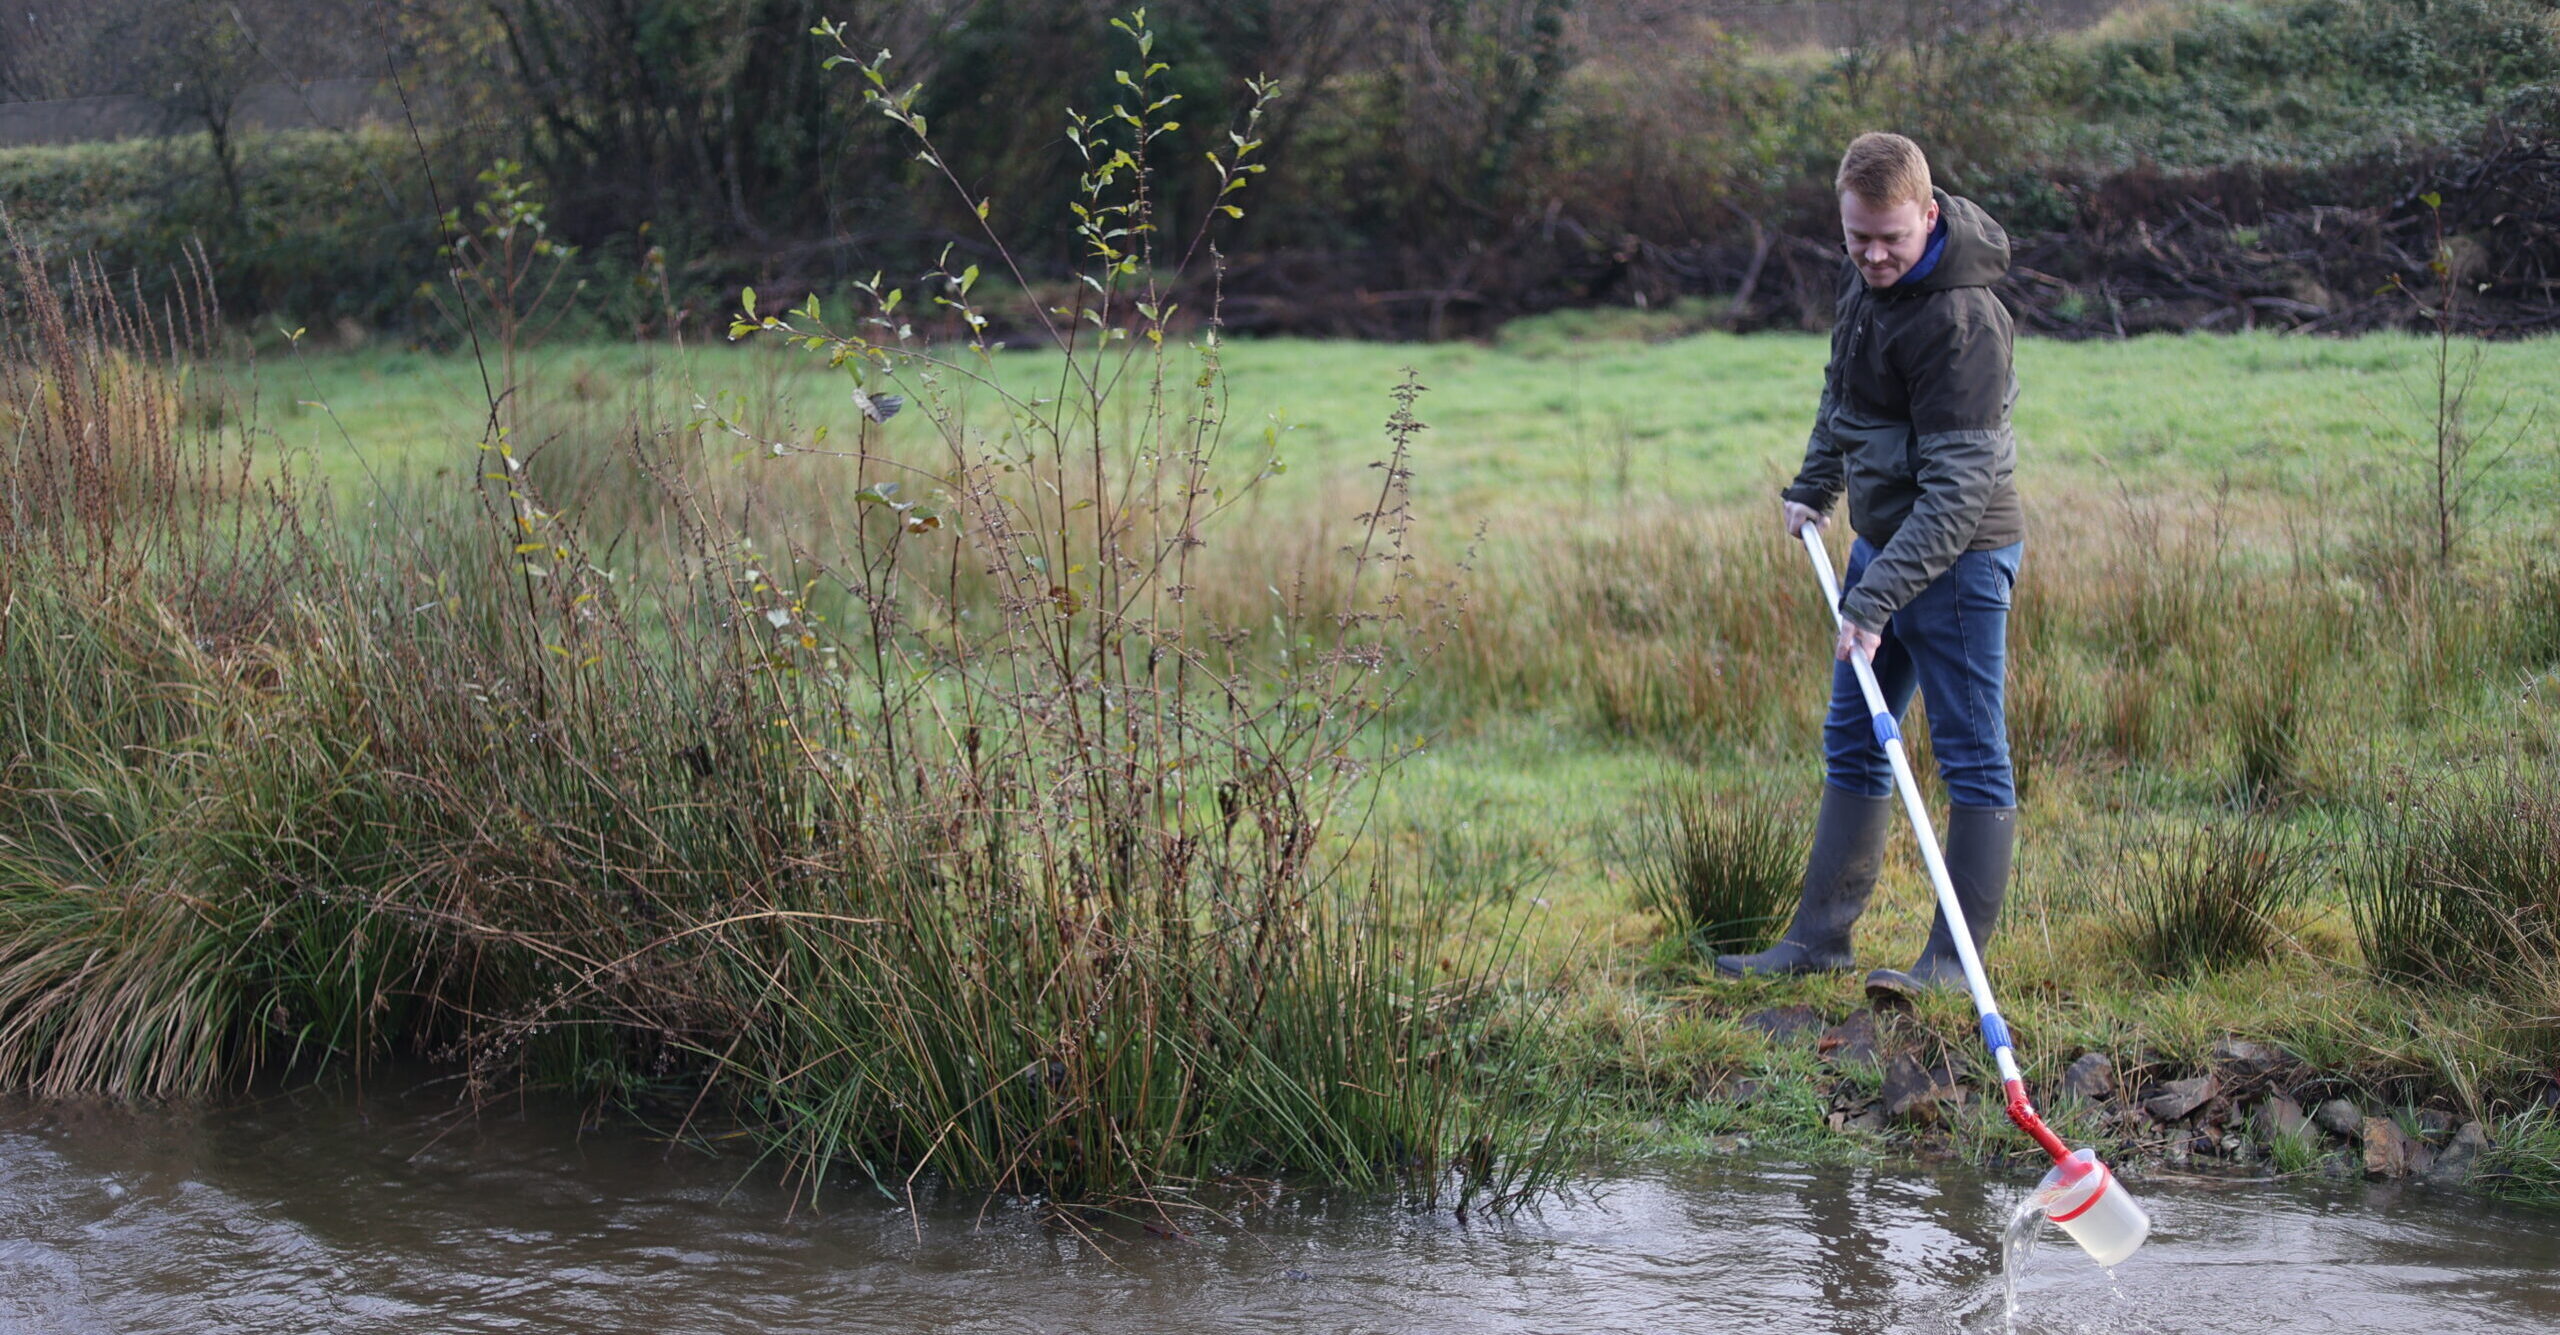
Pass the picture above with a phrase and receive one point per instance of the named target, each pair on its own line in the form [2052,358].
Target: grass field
[1577,411]
[1579,424]
[2228,620]
[1590,432]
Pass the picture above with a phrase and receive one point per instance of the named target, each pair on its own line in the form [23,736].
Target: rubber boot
[1848,852]
[1980,841]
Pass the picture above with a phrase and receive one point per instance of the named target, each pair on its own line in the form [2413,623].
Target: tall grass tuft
[2523,1161]
[152,942]
[2534,596]
[1686,631]
[2269,708]
[1721,869]
[2144,636]
[986,1046]
[2211,897]
[2461,883]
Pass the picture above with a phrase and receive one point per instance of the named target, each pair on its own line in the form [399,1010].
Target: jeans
[1950,644]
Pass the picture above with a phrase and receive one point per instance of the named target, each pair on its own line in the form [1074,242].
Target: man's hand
[1861,641]
[1796,516]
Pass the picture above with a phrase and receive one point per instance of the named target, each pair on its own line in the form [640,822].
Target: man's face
[1885,242]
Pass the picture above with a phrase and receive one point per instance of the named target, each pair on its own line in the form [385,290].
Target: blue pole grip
[1885,729]
[1994,1032]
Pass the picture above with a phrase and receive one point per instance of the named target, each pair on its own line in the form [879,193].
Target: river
[384,1211]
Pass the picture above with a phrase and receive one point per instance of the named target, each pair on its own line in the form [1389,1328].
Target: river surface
[386,1212]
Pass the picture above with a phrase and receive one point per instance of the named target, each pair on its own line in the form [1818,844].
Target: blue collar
[1929,257]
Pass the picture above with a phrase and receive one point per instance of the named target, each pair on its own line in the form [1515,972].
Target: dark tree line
[1435,165]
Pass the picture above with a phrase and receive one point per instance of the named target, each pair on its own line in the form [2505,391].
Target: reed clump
[148,581]
[1720,869]
[958,840]
[2213,897]
[2523,1160]
[2461,884]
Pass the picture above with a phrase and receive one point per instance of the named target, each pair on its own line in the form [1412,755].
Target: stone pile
[2244,1098]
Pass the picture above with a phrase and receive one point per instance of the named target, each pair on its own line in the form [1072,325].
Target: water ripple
[386,1214]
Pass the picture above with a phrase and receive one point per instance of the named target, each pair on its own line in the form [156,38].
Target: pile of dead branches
[2337,251]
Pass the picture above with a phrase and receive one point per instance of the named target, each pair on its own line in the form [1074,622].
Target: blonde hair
[1884,170]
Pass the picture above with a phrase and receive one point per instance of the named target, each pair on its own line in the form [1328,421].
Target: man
[1914,425]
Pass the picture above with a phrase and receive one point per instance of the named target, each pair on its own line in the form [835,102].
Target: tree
[196,60]
[668,109]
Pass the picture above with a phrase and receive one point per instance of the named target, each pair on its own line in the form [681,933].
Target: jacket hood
[1977,252]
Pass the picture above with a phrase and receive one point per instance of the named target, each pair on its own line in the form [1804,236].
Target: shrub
[333,226]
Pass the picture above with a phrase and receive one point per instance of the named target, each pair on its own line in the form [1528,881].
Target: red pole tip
[2023,1114]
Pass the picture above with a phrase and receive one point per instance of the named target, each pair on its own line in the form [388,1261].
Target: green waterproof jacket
[1914,422]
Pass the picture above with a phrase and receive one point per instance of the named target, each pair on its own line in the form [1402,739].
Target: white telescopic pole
[1890,735]
[2118,1224]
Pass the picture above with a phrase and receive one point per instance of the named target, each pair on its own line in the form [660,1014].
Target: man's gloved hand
[1796,516]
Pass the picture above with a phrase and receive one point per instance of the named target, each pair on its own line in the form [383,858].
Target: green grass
[571,778]
[1539,423]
